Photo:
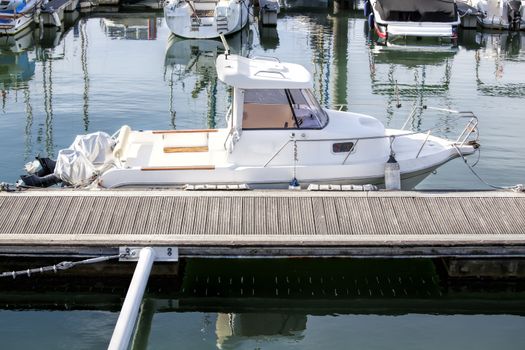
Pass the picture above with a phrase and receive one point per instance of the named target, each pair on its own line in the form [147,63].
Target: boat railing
[355,141]
[229,118]
[470,127]
[266,58]
[463,138]
[270,72]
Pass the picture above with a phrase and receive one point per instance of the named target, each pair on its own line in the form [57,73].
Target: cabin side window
[282,109]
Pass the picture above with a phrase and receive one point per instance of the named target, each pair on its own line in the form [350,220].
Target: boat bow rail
[463,139]
[471,127]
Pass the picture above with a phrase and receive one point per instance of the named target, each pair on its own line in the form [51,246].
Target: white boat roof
[262,73]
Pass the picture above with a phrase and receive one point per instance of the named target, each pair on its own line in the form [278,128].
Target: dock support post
[128,315]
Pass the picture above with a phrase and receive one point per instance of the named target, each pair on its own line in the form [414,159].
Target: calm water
[273,304]
[110,70]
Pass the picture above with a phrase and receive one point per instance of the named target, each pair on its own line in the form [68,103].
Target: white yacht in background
[205,19]
[276,133]
[16,15]
[501,14]
[413,18]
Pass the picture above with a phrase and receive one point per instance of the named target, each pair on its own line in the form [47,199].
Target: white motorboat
[206,19]
[501,14]
[15,15]
[276,133]
[413,18]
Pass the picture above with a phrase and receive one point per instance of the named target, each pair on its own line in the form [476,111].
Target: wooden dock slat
[236,218]
[318,213]
[272,216]
[283,208]
[260,216]
[248,215]
[331,214]
[94,219]
[201,215]
[224,215]
[307,215]
[177,216]
[436,212]
[213,216]
[189,215]
[286,219]
[166,215]
[63,208]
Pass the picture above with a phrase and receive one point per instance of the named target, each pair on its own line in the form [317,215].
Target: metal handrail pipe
[128,315]
[357,139]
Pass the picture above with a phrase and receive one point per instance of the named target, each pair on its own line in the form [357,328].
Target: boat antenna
[226,46]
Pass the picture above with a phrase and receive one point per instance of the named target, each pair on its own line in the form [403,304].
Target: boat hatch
[282,109]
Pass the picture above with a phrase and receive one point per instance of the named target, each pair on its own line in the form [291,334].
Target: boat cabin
[269,94]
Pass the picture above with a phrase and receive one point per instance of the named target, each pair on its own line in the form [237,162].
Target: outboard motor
[514,14]
[40,173]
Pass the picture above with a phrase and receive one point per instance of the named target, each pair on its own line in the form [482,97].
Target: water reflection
[17,66]
[496,60]
[233,329]
[131,27]
[192,61]
[410,74]
[242,303]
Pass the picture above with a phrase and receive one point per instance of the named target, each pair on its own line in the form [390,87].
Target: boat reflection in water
[137,26]
[411,74]
[17,63]
[260,302]
[192,61]
[232,329]
[498,59]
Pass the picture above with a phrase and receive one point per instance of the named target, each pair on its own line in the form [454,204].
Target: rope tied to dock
[61,266]
[515,188]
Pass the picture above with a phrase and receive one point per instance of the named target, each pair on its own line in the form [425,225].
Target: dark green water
[273,304]
[109,70]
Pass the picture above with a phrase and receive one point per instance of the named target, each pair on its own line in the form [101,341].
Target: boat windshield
[282,109]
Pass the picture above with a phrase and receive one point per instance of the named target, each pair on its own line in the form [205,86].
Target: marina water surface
[107,70]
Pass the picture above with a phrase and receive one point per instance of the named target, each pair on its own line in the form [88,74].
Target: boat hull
[496,15]
[182,23]
[13,23]
[277,177]
[389,29]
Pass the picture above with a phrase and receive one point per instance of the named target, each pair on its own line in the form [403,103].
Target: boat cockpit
[282,109]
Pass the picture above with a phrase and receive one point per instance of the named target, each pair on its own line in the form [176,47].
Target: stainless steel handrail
[271,72]
[470,128]
[266,58]
[230,132]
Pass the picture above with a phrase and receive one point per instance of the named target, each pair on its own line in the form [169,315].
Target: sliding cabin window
[282,109]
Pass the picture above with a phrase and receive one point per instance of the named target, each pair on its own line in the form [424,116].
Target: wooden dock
[265,223]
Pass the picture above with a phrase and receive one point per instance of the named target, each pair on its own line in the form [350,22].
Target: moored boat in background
[206,19]
[413,18]
[15,15]
[502,14]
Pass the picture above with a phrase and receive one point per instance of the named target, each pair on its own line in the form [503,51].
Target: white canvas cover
[77,164]
[97,146]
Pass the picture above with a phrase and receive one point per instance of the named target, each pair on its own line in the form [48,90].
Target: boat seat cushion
[267,116]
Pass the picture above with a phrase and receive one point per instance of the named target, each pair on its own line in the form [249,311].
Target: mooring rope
[515,188]
[61,266]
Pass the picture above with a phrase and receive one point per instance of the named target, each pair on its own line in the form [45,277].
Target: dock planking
[267,223]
